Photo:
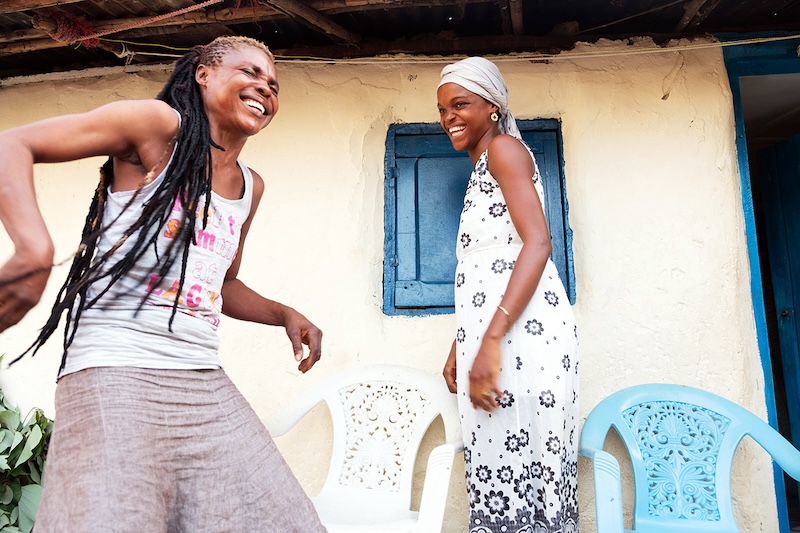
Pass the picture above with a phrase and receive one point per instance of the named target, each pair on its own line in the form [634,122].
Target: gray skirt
[165,451]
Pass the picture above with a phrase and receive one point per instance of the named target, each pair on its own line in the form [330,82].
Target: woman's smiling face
[465,117]
[242,87]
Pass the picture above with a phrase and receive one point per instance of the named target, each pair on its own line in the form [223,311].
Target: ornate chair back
[681,442]
[380,414]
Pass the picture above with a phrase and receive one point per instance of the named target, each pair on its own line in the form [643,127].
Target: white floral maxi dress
[521,460]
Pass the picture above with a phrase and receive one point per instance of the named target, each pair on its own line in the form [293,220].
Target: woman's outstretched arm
[129,130]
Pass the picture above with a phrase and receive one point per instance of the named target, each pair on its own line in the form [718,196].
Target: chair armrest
[437,484]
[607,490]
[281,422]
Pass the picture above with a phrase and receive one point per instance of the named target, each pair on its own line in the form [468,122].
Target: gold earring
[494,116]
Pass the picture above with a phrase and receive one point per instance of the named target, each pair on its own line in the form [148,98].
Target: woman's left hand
[301,331]
[483,390]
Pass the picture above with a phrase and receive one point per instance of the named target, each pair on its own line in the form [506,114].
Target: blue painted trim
[573,292]
[389,222]
[749,60]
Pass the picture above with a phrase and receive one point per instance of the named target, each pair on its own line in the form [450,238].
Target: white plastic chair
[380,415]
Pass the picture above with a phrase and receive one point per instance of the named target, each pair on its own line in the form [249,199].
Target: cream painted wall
[655,206]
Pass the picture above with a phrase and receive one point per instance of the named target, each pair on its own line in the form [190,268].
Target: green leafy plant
[23,449]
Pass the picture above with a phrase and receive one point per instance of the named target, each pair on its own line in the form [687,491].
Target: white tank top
[114,333]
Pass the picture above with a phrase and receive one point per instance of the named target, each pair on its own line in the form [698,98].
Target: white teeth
[456,129]
[255,105]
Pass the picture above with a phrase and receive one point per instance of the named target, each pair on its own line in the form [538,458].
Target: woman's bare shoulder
[506,151]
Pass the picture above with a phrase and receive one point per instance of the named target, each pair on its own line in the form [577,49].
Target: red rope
[70,29]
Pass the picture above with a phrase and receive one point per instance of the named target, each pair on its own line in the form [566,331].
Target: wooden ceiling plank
[316,20]
[705,12]
[334,7]
[516,17]
[15,6]
[505,17]
[21,47]
[258,13]
[690,10]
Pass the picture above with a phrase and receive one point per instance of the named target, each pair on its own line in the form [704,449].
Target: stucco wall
[661,265]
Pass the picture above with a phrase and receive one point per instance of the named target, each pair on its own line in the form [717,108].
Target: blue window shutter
[424,191]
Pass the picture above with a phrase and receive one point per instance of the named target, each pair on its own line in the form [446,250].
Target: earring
[494,116]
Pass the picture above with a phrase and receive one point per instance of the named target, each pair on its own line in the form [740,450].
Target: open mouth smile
[255,105]
[456,131]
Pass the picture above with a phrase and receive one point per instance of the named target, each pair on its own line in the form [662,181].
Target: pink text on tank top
[201,289]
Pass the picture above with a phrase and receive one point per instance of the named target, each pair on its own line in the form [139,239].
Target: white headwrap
[482,77]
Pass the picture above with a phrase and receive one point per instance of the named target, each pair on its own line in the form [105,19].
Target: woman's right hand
[450,369]
[22,281]
[484,392]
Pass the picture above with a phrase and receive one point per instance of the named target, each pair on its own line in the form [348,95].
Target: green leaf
[18,438]
[8,495]
[4,466]
[35,476]
[29,506]
[10,419]
[6,438]
[34,438]
[14,515]
[4,521]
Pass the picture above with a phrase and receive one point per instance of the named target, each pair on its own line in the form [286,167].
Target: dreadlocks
[189,181]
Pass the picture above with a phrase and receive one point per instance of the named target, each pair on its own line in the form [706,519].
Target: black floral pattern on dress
[512,443]
[479,299]
[534,327]
[551,298]
[498,209]
[465,240]
[505,474]
[460,335]
[474,496]
[565,362]
[459,279]
[487,187]
[554,445]
[497,502]
[499,266]
[524,438]
[507,400]
[547,399]
[483,473]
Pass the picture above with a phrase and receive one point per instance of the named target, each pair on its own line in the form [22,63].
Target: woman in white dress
[514,360]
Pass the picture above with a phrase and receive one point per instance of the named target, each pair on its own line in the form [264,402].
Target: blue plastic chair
[681,442]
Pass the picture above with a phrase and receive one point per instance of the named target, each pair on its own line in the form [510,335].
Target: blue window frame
[424,192]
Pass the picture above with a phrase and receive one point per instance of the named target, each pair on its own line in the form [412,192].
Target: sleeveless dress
[521,460]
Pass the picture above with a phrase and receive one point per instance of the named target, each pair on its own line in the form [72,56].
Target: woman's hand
[301,331]
[483,389]
[22,281]
[449,371]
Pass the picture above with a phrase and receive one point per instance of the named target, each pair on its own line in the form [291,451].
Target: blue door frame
[777,57]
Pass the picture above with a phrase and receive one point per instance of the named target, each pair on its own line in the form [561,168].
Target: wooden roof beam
[219,16]
[694,13]
[315,20]
[511,17]
[15,6]
[515,8]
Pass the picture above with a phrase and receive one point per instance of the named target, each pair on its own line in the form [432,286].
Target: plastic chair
[380,415]
[681,443]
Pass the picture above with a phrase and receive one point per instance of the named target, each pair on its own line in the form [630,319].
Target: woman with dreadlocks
[150,433]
